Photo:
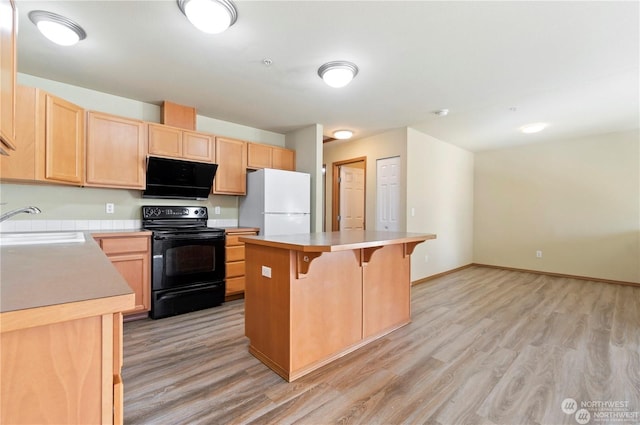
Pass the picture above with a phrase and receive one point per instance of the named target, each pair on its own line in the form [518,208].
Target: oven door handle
[188,237]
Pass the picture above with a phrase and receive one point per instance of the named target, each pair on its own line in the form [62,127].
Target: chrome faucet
[26,210]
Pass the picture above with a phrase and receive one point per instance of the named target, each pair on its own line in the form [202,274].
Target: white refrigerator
[277,201]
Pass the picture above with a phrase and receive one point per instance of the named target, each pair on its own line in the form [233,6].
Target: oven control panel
[164,212]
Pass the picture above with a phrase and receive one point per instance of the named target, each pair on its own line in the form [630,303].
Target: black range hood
[178,179]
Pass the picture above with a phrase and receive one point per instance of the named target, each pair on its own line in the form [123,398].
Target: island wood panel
[386,290]
[268,327]
[326,307]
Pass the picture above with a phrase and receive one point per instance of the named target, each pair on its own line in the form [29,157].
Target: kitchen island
[312,298]
[61,334]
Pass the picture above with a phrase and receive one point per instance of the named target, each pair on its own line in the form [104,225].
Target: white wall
[578,201]
[391,143]
[307,142]
[116,105]
[440,189]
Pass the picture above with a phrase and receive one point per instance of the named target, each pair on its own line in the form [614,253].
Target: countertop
[336,241]
[34,276]
[239,229]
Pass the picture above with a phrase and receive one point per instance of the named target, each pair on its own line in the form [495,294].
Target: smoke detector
[441,112]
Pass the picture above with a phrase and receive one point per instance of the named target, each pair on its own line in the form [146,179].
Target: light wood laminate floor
[485,346]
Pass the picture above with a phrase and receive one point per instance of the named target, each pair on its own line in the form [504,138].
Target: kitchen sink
[39,238]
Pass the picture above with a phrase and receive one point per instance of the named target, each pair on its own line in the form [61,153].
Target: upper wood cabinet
[283,159]
[63,140]
[258,156]
[198,146]
[231,176]
[7,74]
[177,143]
[21,165]
[116,151]
[50,139]
[266,156]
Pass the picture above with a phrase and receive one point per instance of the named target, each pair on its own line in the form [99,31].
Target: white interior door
[388,194]
[351,198]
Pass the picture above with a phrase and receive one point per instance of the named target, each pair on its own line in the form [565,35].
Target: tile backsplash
[64,225]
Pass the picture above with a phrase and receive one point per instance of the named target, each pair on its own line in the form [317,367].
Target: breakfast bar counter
[312,298]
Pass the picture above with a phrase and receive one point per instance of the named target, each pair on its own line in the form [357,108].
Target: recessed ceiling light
[338,73]
[57,28]
[533,128]
[342,134]
[210,16]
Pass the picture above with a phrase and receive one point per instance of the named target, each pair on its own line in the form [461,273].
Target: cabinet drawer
[235,285]
[232,238]
[124,245]
[235,253]
[235,269]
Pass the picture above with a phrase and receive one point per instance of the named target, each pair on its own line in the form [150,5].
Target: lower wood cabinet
[235,262]
[66,372]
[130,255]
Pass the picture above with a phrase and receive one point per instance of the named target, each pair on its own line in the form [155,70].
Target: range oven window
[180,261]
[190,259]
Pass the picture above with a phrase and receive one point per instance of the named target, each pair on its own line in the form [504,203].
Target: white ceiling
[572,64]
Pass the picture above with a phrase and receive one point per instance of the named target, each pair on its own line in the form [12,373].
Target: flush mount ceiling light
[533,128]
[57,28]
[338,73]
[210,16]
[342,134]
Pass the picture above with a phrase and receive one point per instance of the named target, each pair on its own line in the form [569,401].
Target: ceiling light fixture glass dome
[342,134]
[338,73]
[210,16]
[533,128]
[57,28]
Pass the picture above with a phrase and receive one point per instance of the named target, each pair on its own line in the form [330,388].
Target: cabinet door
[115,152]
[258,156]
[283,159]
[130,255]
[165,141]
[197,146]
[135,270]
[231,177]
[59,373]
[21,165]
[63,140]
[7,74]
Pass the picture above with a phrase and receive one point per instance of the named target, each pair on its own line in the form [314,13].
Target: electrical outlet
[538,254]
[216,210]
[426,258]
[266,271]
[110,208]
[413,212]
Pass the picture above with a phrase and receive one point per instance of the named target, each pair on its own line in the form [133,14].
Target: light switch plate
[266,271]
